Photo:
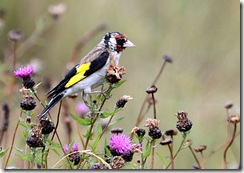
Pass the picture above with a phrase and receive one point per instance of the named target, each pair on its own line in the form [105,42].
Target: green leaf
[99,128]
[84,122]
[22,155]
[116,121]
[94,145]
[106,114]
[148,149]
[162,159]
[3,152]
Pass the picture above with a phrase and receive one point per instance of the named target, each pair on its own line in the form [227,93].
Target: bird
[90,72]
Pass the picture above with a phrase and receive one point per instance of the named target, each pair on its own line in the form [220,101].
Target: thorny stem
[195,157]
[228,146]
[182,142]
[13,139]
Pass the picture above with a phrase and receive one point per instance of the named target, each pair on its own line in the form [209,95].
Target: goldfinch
[90,72]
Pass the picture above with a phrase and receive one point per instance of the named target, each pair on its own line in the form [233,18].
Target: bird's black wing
[76,74]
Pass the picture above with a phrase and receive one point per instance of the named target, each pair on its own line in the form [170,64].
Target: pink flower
[121,143]
[23,72]
[82,108]
[75,147]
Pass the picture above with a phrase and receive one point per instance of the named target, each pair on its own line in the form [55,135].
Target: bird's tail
[52,102]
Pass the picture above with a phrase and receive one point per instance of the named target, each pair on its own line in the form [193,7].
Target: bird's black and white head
[116,41]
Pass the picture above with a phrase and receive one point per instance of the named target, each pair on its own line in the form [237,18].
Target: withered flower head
[168,58]
[166,141]
[228,105]
[152,89]
[117,130]
[123,100]
[114,73]
[95,166]
[117,163]
[136,148]
[15,35]
[57,10]
[139,131]
[233,119]
[154,131]
[200,148]
[151,123]
[183,124]
[35,137]
[170,132]
[28,103]
[46,125]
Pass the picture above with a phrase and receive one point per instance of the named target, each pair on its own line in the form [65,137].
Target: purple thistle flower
[66,148]
[24,72]
[121,143]
[82,108]
[75,147]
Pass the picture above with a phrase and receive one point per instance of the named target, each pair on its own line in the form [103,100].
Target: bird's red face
[117,41]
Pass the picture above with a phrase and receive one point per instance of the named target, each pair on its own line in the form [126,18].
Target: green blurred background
[203,38]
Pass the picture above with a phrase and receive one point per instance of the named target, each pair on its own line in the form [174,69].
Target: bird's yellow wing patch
[79,75]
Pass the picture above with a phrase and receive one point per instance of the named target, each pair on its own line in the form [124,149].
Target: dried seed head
[128,157]
[35,137]
[46,125]
[15,35]
[166,141]
[228,105]
[114,73]
[200,148]
[117,130]
[95,166]
[57,10]
[155,133]
[152,123]
[28,103]
[168,58]
[28,82]
[183,124]
[152,89]
[136,148]
[123,100]
[171,132]
[140,132]
[117,163]
[233,119]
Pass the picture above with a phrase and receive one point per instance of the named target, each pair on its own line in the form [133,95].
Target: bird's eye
[121,41]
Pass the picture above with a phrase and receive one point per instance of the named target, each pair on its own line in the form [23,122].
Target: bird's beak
[128,43]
